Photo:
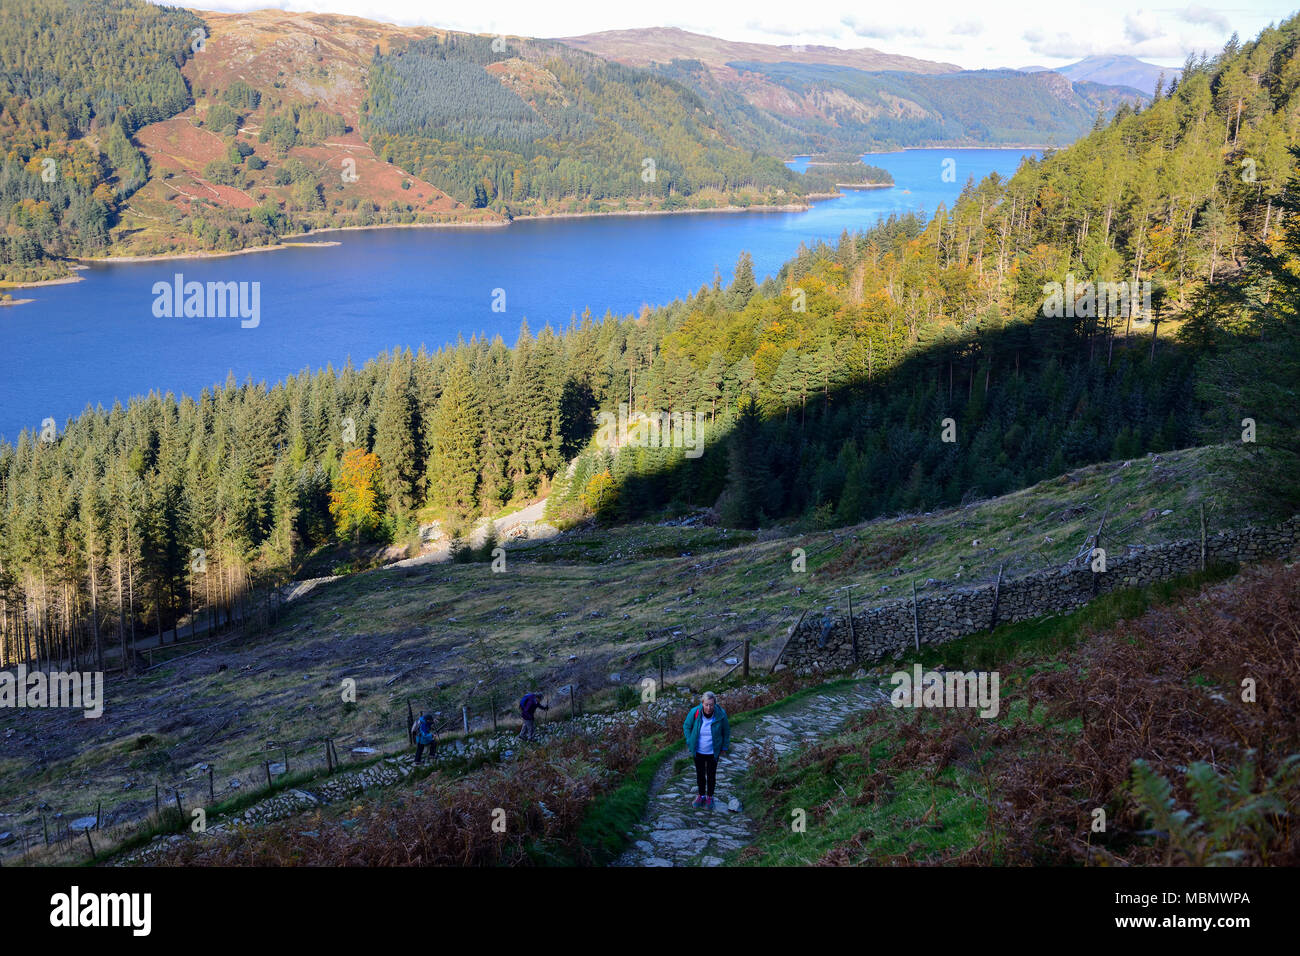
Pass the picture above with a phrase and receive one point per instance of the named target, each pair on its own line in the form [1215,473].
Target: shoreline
[475,224]
[39,283]
[785,207]
[288,240]
[812,157]
[167,256]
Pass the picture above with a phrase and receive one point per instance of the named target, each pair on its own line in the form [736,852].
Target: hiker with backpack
[424,736]
[708,736]
[528,705]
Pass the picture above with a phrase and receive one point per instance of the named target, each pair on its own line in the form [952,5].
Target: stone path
[676,834]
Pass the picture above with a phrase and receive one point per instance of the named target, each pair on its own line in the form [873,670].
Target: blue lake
[95,341]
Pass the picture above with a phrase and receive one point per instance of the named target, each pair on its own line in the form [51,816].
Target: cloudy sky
[1003,33]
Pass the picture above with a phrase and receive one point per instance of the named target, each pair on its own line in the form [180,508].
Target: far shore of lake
[288,241]
[61,280]
[206,254]
[812,161]
[757,207]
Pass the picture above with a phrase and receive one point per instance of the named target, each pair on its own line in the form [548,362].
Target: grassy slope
[872,796]
[578,608]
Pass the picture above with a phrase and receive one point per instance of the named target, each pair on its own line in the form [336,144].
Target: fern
[1233,822]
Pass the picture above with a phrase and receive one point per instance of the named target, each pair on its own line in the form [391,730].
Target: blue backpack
[423,734]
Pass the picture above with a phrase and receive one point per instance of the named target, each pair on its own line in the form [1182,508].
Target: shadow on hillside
[959,420]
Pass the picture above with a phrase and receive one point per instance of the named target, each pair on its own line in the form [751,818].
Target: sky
[974,36]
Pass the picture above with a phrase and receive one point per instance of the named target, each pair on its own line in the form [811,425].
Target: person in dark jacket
[708,736]
[528,710]
[424,736]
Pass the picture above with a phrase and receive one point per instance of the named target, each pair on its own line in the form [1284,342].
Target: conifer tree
[395,438]
[456,430]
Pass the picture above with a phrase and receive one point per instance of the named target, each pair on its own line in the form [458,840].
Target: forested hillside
[1185,195]
[824,389]
[77,80]
[848,107]
[526,122]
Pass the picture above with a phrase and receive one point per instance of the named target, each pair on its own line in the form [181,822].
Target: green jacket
[721,729]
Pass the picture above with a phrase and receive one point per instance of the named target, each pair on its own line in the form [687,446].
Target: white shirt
[705,745]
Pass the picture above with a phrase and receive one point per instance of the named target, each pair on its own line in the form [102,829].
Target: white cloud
[1005,33]
[1204,16]
[880,31]
[1061,46]
[1142,27]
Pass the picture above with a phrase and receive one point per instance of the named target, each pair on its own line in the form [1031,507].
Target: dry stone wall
[888,629]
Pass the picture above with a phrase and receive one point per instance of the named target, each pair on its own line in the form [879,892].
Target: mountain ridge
[645,45]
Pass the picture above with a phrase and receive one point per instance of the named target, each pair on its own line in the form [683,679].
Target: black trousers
[706,773]
[419,750]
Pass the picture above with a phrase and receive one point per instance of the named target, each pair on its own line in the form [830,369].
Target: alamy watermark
[32,690]
[947,689]
[212,300]
[76,909]
[660,430]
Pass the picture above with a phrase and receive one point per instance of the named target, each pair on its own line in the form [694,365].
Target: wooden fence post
[267,764]
[410,722]
[916,619]
[746,670]
[1096,546]
[1202,535]
[212,787]
[853,630]
[793,631]
[997,597]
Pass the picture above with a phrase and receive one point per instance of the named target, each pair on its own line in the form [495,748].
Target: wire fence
[80,835]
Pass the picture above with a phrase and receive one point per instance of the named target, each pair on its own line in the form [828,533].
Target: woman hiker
[708,735]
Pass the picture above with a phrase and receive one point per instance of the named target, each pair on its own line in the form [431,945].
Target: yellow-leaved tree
[354,499]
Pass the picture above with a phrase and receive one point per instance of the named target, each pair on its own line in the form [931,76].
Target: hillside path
[674,833]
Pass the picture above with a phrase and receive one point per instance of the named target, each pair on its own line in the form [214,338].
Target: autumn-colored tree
[354,499]
[599,492]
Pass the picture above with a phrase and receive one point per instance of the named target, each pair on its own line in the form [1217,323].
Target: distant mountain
[643,47]
[978,107]
[1113,71]
[788,99]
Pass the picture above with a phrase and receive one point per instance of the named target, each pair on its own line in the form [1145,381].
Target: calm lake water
[92,342]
